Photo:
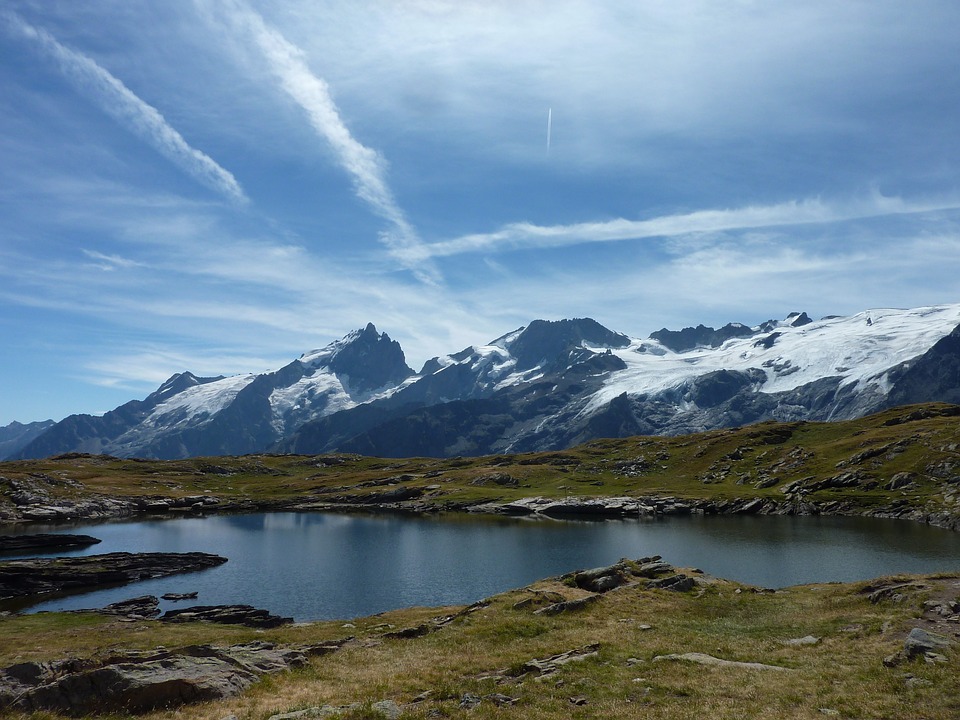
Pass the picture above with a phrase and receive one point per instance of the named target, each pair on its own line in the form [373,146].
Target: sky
[221,185]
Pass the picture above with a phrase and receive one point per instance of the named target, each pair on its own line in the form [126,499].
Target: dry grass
[482,652]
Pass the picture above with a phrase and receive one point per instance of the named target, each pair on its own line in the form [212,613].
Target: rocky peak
[798,319]
[552,341]
[366,358]
[699,336]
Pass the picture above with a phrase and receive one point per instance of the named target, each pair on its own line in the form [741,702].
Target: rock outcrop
[44,542]
[47,576]
[134,682]
[226,615]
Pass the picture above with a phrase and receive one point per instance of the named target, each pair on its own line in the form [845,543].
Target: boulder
[601,579]
[545,666]
[921,642]
[567,606]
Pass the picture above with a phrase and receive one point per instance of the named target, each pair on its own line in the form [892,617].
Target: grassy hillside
[905,459]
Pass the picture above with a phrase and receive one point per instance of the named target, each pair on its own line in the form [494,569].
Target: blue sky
[220,185]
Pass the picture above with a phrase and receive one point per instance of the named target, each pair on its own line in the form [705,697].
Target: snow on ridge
[199,400]
[858,348]
[312,396]
[323,355]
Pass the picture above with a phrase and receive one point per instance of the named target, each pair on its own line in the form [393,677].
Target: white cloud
[109,263]
[118,101]
[528,235]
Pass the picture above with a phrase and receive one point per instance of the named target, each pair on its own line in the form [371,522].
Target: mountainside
[601,384]
[17,435]
[189,416]
[545,386]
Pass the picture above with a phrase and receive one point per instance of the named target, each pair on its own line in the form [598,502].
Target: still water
[324,566]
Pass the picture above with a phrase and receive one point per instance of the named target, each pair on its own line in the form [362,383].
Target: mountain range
[545,386]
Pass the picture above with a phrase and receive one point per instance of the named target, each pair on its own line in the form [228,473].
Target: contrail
[549,127]
[366,166]
[118,101]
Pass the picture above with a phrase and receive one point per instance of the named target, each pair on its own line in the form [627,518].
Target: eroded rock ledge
[47,576]
[44,542]
[135,682]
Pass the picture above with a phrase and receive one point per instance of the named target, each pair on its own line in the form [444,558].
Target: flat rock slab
[44,542]
[44,576]
[226,615]
[548,665]
[704,659]
[136,682]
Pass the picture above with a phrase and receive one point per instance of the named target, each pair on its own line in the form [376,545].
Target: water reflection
[317,565]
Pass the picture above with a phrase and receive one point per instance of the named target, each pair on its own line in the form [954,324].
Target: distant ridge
[546,386]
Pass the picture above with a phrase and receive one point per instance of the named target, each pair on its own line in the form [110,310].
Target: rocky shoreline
[96,509]
[38,578]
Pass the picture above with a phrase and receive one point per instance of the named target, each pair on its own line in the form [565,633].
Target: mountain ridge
[547,385]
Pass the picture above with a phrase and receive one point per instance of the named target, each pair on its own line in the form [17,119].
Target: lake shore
[609,643]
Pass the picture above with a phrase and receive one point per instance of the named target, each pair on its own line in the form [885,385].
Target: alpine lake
[322,566]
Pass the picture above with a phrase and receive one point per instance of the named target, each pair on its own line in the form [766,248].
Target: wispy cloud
[528,235]
[366,166]
[125,107]
[110,263]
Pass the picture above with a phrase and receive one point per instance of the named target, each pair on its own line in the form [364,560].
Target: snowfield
[859,348]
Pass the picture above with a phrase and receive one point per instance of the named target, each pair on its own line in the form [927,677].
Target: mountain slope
[549,385]
[17,435]
[190,416]
[514,398]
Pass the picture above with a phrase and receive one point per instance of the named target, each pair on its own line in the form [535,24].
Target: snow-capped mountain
[188,416]
[544,386]
[554,384]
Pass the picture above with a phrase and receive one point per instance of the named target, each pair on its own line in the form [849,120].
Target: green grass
[723,464]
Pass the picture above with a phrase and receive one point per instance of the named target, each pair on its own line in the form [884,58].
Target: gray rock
[545,666]
[141,687]
[601,579]
[805,640]
[652,569]
[678,583]
[567,606]
[921,642]
[145,606]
